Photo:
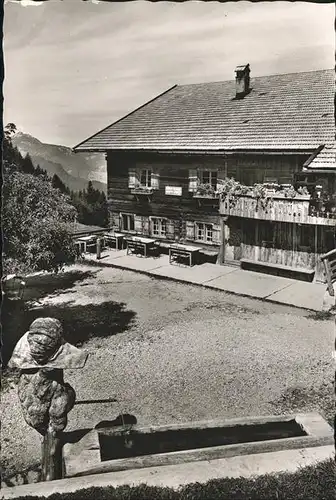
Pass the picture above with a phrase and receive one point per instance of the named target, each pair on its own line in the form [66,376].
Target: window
[159,227]
[204,232]
[145,177]
[127,222]
[209,177]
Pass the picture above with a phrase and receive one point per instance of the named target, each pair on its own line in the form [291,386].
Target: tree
[91,206]
[37,219]
[27,165]
[58,184]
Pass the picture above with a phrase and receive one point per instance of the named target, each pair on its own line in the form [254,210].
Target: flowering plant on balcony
[205,190]
[231,190]
[323,204]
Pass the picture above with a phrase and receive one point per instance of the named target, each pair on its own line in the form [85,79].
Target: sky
[73,67]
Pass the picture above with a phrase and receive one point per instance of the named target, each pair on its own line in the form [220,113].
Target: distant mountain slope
[74,169]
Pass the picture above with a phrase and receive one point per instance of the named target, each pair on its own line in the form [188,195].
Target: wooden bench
[112,240]
[140,246]
[278,269]
[179,252]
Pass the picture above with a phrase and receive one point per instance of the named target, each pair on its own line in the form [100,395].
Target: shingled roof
[324,160]
[282,112]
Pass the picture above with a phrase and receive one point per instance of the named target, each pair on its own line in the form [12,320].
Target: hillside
[74,169]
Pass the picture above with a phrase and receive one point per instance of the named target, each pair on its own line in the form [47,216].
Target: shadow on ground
[83,322]
[80,322]
[41,286]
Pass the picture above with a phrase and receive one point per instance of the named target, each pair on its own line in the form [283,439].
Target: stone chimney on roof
[242,80]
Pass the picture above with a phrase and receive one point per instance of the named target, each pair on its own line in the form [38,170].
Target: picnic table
[114,240]
[179,251]
[86,243]
[140,245]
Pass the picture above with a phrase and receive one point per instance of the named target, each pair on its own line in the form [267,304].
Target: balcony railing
[299,209]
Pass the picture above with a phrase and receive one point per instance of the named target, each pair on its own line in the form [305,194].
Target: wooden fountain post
[52,457]
[41,355]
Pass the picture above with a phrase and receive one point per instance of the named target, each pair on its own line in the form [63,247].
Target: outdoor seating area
[179,254]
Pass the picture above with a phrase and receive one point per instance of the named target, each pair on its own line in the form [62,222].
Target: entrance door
[233,240]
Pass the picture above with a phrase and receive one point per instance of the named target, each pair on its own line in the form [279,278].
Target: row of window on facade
[268,234]
[147,178]
[161,227]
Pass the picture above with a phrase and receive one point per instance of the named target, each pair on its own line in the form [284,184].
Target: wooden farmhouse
[244,169]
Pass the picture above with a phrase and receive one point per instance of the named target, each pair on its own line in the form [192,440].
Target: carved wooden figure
[41,355]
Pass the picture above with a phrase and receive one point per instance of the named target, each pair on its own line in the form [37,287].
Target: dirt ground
[170,352]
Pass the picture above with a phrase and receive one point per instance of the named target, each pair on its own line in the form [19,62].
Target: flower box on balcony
[142,190]
[210,196]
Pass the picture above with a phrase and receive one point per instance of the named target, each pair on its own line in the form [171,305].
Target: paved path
[312,296]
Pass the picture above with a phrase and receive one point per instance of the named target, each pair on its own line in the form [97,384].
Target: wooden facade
[154,194]
[280,243]
[164,207]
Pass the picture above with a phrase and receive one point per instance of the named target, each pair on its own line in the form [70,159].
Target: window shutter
[138,223]
[190,230]
[155,180]
[114,220]
[193,179]
[216,234]
[170,229]
[220,177]
[132,179]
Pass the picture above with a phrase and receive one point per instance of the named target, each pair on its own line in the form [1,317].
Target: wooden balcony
[277,208]
[142,192]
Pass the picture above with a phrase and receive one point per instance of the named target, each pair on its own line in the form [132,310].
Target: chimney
[242,80]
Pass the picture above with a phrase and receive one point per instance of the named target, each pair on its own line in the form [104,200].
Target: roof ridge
[324,70]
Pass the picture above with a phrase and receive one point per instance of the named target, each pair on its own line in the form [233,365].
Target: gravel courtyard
[178,353]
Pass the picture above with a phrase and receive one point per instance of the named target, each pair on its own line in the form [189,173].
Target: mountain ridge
[74,169]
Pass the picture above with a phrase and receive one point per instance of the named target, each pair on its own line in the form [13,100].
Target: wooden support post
[52,460]
[99,247]
[221,255]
